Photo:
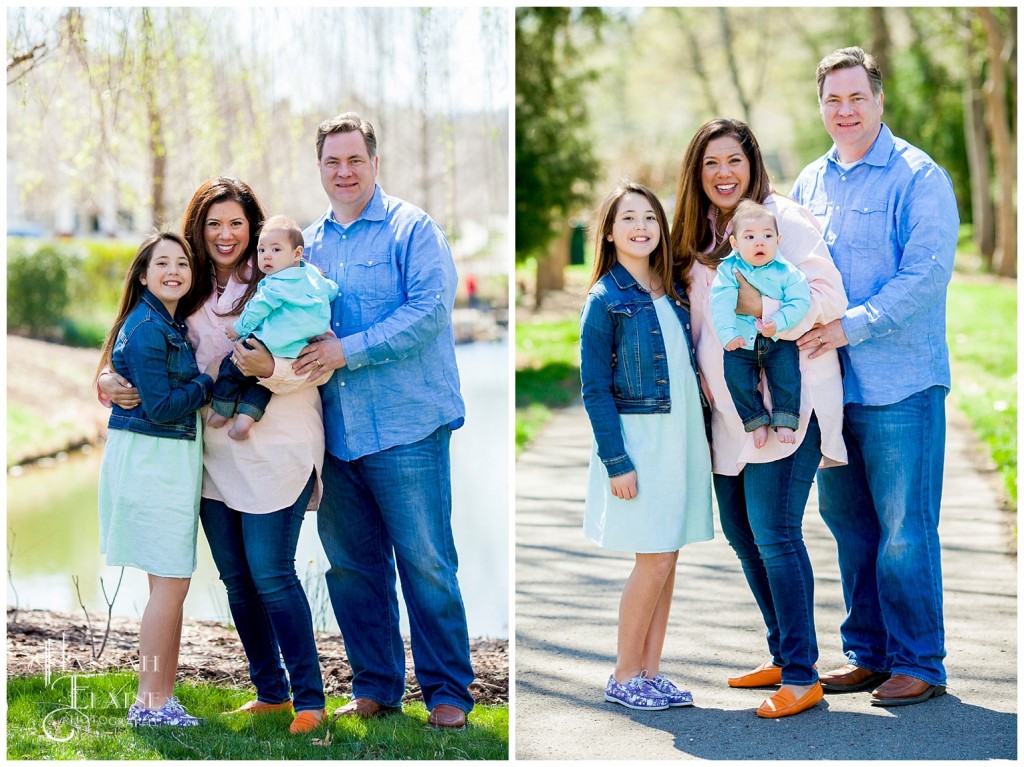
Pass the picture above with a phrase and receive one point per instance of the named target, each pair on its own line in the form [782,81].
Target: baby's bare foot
[216,420]
[785,435]
[760,436]
[240,428]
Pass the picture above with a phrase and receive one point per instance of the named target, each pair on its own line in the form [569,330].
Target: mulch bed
[210,652]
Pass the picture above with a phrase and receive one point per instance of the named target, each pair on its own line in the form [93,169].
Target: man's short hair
[286,225]
[847,58]
[346,123]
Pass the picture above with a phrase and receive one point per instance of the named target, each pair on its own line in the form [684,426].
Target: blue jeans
[780,361]
[255,556]
[388,509]
[762,513]
[883,509]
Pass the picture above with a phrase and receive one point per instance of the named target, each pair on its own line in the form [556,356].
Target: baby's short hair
[748,210]
[286,225]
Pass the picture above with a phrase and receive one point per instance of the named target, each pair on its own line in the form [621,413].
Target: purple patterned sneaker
[638,693]
[172,714]
[676,697]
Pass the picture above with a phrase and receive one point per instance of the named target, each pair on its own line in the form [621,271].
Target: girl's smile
[169,274]
[635,231]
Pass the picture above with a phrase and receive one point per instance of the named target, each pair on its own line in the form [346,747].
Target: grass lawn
[84,717]
[547,373]
[981,319]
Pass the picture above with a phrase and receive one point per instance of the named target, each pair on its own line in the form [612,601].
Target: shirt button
[342,383]
[369,263]
[843,178]
[337,324]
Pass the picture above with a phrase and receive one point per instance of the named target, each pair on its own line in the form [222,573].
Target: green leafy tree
[555,162]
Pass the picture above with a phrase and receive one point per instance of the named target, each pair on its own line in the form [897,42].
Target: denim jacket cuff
[619,466]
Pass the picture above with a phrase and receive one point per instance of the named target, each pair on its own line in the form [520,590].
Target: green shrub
[39,287]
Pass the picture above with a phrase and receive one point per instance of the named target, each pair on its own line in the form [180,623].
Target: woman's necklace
[220,287]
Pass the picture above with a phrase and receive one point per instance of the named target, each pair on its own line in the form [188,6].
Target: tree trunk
[157,148]
[881,42]
[1004,146]
[728,40]
[978,161]
[551,268]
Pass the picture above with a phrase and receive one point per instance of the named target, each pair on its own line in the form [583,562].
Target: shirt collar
[154,303]
[877,155]
[623,279]
[375,209]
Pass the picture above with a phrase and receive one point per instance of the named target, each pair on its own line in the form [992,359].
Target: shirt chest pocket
[866,224]
[181,362]
[632,347]
[373,278]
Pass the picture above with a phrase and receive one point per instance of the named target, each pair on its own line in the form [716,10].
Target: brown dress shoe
[447,716]
[364,708]
[903,690]
[259,707]
[852,678]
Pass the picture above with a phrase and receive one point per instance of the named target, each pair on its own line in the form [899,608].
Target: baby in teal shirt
[751,344]
[292,304]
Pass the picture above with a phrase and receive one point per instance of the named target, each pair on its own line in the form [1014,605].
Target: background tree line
[601,94]
[128,109]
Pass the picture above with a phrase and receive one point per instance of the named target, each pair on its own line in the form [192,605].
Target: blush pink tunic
[266,472]
[821,388]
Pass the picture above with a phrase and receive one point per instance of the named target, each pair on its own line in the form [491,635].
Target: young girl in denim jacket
[153,462]
[650,475]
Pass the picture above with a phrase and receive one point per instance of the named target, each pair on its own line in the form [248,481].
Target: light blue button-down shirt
[891,224]
[397,280]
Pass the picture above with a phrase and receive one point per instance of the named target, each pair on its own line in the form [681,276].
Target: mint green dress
[673,466]
[149,493]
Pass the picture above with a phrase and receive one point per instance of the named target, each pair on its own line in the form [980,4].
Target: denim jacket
[153,352]
[619,322]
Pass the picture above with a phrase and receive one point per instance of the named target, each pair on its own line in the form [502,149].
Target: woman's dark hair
[604,250]
[691,229]
[221,189]
[133,288]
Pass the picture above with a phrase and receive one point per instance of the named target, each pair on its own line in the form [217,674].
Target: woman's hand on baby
[118,390]
[748,299]
[255,361]
[624,486]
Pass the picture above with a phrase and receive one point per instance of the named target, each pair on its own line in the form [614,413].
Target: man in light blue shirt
[389,410]
[889,216]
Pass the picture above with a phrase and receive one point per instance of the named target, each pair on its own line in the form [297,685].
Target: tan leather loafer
[259,707]
[364,708]
[903,690]
[850,678]
[765,675]
[784,703]
[448,717]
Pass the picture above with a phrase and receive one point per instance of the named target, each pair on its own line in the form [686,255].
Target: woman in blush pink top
[255,492]
[762,492]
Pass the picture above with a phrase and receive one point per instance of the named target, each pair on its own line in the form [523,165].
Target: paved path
[567,593]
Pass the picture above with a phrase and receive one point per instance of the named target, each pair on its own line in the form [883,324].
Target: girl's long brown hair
[604,250]
[133,288]
[691,229]
[221,189]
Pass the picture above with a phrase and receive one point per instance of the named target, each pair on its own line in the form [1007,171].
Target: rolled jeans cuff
[785,420]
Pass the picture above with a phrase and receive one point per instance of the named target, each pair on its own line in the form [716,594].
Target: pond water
[53,528]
